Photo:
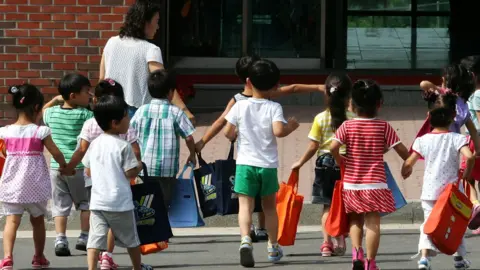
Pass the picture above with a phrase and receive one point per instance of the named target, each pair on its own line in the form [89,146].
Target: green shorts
[253,181]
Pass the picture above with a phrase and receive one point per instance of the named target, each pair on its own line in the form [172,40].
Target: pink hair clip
[22,100]
[110,81]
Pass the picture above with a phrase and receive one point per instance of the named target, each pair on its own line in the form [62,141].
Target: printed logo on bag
[208,189]
[232,181]
[144,213]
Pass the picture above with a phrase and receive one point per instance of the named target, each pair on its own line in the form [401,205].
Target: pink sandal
[326,249]
[6,263]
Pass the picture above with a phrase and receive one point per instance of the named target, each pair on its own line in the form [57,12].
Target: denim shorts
[327,173]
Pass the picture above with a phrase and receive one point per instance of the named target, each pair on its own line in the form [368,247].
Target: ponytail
[338,91]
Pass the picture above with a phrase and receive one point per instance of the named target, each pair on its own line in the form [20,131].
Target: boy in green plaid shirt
[159,126]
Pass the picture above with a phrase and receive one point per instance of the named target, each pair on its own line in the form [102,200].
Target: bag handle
[230,153]
[466,185]
[185,168]
[293,180]
[201,161]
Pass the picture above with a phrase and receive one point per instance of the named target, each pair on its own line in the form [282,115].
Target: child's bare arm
[335,151]
[297,88]
[78,155]
[472,130]
[428,86]
[230,131]
[280,129]
[408,164]
[311,150]
[54,151]
[136,151]
[135,171]
[215,128]
[55,101]
[402,151]
[190,142]
[470,158]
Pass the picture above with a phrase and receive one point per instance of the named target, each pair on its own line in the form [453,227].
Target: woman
[129,58]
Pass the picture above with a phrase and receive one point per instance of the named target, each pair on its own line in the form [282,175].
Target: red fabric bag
[337,220]
[289,207]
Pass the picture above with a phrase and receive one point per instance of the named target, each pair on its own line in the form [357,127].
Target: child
[90,131]
[158,126]
[66,122]
[258,121]
[326,171]
[441,150]
[25,183]
[365,190]
[241,69]
[110,162]
[458,80]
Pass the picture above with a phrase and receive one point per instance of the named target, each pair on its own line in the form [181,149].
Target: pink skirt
[369,200]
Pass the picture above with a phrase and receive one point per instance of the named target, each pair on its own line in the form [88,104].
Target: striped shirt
[158,126]
[366,140]
[66,125]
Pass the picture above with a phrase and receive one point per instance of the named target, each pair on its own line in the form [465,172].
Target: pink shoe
[326,249]
[476,232]
[358,259]
[40,262]
[475,219]
[107,263]
[339,246]
[371,265]
[6,263]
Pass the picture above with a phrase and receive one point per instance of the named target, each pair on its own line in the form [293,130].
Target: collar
[160,101]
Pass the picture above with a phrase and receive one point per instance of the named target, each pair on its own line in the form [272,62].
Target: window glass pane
[286,28]
[378,42]
[433,42]
[379,4]
[206,28]
[433,5]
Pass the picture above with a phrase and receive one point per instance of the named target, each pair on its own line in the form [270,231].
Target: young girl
[327,172]
[25,183]
[91,131]
[441,150]
[365,190]
[458,80]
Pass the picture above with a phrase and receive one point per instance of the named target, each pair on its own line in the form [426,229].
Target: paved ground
[205,251]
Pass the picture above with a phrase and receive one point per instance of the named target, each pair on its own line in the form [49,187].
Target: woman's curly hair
[138,15]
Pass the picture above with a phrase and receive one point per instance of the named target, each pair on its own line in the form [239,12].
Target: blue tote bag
[392,185]
[183,212]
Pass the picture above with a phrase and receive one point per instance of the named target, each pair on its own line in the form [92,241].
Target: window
[433,42]
[205,28]
[433,5]
[286,28]
[379,5]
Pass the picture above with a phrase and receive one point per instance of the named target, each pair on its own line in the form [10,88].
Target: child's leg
[269,204]
[135,257]
[79,194]
[246,205]
[356,229]
[97,239]
[10,234]
[110,242]
[425,245]
[475,219]
[61,207]
[326,237]
[372,224]
[261,220]
[39,234]
[92,257]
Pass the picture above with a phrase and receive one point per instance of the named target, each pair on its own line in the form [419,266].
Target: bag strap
[293,179]
[145,173]
[201,161]
[230,153]
[466,185]
[185,168]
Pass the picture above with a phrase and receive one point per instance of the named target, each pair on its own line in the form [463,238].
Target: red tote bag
[337,220]
[289,207]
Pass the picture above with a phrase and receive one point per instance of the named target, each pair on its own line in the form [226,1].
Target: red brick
[8,8]
[117,26]
[94,58]
[112,18]
[28,25]
[29,74]
[17,66]
[89,2]
[53,9]
[10,114]
[109,34]
[64,66]
[121,10]
[40,17]
[100,26]
[28,57]
[52,74]
[41,49]
[40,33]
[76,9]
[99,9]
[53,41]
[16,17]
[94,75]
[97,42]
[16,2]
[77,25]
[76,58]
[29,9]
[65,2]
[66,50]
[40,2]
[8,74]
[76,42]
[28,41]
[50,90]
[57,33]
[87,18]
[53,25]
[63,17]
[40,82]
[129,2]
[14,81]
[16,33]
[52,58]
[16,49]
[8,57]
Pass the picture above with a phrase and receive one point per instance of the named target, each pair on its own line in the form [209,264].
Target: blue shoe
[275,253]
[461,263]
[424,263]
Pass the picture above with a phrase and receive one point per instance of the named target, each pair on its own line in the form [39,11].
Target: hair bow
[110,81]
[333,89]
[14,90]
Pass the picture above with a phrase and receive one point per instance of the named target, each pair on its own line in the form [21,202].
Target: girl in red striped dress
[365,190]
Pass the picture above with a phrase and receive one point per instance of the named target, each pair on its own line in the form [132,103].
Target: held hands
[199,146]
[192,159]
[406,171]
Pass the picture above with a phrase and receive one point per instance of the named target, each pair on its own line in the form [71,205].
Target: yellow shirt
[323,133]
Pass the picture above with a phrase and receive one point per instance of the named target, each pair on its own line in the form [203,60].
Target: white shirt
[126,61]
[108,158]
[257,145]
[441,152]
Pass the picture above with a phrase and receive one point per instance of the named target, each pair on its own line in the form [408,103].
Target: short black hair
[160,83]
[264,74]
[27,98]
[460,80]
[72,83]
[366,97]
[108,109]
[242,66]
[141,12]
[443,110]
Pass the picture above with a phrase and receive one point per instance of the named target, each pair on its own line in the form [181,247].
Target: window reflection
[433,5]
[433,42]
[379,5]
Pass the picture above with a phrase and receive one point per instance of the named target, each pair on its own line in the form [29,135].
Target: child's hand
[297,165]
[192,159]
[406,171]
[58,99]
[199,146]
[292,123]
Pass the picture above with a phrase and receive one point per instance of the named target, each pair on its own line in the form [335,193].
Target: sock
[271,245]
[246,239]
[61,236]
[458,258]
[110,255]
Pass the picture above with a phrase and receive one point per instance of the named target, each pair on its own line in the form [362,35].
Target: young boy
[159,125]
[258,121]
[66,122]
[110,162]
[241,69]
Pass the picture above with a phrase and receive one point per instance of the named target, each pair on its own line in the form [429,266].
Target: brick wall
[41,40]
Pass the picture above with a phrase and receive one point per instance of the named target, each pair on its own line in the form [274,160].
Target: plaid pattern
[158,126]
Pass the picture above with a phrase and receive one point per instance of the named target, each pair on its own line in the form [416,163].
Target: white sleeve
[3,132]
[417,147]
[154,54]
[43,132]
[232,115]
[129,161]
[460,141]
[277,114]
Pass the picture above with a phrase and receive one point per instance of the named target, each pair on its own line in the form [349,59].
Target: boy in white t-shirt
[110,162]
[258,121]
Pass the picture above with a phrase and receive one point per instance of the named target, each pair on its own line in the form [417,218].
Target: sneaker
[253,234]
[461,263]
[61,248]
[275,253]
[106,263]
[424,263]
[261,234]
[475,219]
[82,243]
[146,267]
[358,259]
[40,262]
[246,253]
[476,232]
[371,265]
[6,263]
[339,246]
[326,249]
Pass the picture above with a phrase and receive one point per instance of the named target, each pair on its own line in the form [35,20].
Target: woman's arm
[101,76]
[298,88]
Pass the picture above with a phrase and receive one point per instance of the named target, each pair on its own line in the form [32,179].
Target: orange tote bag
[449,219]
[289,207]
[337,220]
